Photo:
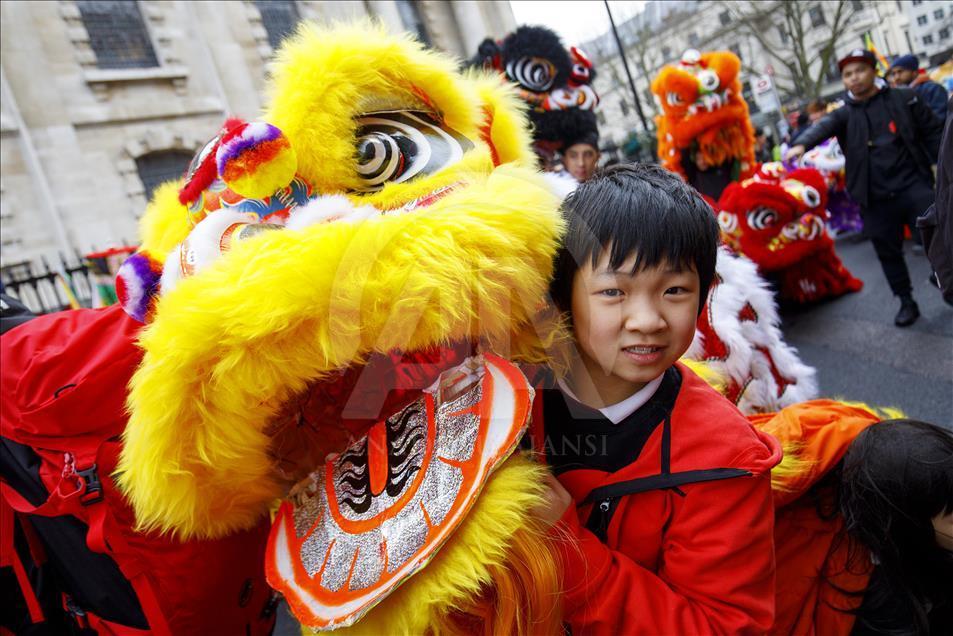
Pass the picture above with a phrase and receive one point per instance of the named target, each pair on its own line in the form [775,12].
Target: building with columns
[103,100]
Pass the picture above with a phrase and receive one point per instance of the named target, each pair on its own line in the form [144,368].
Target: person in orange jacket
[661,501]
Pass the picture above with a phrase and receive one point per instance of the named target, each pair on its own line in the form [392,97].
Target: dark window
[928,39]
[413,21]
[783,34]
[624,108]
[279,19]
[693,39]
[117,34]
[735,48]
[921,20]
[938,14]
[156,168]
[944,33]
[666,53]
[916,2]
[725,18]
[857,5]
[817,16]
[601,118]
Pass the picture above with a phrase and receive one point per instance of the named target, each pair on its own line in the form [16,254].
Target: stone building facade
[102,100]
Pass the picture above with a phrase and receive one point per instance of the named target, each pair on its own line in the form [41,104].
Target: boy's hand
[555,501]
[794,152]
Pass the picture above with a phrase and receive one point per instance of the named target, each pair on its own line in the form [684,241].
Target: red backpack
[66,533]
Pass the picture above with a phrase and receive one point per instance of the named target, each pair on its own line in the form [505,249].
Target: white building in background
[930,33]
[104,100]
[665,29]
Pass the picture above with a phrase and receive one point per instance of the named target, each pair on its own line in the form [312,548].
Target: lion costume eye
[535,73]
[811,197]
[674,99]
[709,80]
[396,146]
[762,218]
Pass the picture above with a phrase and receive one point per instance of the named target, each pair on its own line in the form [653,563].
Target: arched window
[117,34]
[156,168]
[279,19]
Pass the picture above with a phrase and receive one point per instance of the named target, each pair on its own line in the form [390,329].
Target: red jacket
[698,559]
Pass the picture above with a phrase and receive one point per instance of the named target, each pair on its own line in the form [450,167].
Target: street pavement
[860,355]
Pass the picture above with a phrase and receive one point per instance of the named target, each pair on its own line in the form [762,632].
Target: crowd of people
[606,482]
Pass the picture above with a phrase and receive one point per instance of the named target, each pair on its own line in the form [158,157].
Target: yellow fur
[324,76]
[165,223]
[464,566]
[229,346]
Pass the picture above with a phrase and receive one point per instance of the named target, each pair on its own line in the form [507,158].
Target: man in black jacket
[936,224]
[890,141]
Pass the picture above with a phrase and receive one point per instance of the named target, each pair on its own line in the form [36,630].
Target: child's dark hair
[636,208]
[896,476]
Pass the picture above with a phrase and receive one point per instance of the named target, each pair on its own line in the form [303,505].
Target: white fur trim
[745,363]
[325,209]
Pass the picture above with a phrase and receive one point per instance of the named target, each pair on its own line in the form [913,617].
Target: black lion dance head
[555,82]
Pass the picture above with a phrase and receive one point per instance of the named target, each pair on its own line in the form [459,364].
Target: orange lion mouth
[710,102]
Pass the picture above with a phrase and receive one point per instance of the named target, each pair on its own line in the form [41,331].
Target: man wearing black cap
[890,140]
[905,73]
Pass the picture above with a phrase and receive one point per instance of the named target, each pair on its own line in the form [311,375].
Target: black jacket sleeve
[934,96]
[830,126]
[936,225]
[928,127]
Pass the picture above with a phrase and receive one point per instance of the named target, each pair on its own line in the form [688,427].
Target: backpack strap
[80,488]
[607,497]
[10,557]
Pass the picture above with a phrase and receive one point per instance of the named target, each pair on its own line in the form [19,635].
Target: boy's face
[630,328]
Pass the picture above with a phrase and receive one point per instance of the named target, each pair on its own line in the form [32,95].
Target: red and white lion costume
[778,220]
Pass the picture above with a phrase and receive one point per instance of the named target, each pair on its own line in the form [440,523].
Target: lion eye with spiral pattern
[762,218]
[396,146]
[535,73]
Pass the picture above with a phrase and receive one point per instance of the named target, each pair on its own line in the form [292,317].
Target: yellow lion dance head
[385,207]
[704,112]
[423,226]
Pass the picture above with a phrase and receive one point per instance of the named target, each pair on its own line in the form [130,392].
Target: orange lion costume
[703,112]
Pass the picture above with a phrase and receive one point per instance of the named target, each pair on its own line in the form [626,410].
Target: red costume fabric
[690,560]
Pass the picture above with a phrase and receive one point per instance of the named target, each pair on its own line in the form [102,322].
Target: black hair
[896,477]
[641,209]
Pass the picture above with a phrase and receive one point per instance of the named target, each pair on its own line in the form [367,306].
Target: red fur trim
[486,132]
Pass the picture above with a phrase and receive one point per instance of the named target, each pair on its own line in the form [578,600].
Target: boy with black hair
[661,498]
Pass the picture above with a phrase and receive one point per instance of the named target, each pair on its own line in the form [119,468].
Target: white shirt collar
[615,413]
